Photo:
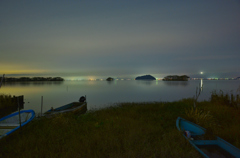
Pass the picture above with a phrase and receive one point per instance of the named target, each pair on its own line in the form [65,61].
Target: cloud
[118,37]
[208,57]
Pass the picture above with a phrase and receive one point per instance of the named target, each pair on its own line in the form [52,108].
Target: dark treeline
[13,79]
[176,78]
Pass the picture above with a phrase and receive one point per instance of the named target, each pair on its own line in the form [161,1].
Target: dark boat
[208,148]
[75,107]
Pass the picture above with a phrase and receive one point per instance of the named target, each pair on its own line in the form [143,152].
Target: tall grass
[7,105]
[200,117]
[5,100]
[220,116]
[126,130]
[225,99]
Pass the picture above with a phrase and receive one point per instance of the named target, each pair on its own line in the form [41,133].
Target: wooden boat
[11,123]
[208,148]
[76,107]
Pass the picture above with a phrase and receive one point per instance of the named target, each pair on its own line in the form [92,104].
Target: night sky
[127,38]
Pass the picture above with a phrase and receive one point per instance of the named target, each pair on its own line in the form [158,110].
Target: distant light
[201,72]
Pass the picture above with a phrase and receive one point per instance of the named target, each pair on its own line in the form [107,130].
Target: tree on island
[109,79]
[176,78]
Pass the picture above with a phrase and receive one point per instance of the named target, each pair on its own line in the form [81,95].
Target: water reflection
[176,83]
[201,84]
[110,82]
[146,82]
[101,94]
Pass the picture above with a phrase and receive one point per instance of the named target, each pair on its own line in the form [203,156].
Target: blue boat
[11,123]
[208,148]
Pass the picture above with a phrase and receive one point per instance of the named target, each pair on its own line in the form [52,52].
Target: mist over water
[102,94]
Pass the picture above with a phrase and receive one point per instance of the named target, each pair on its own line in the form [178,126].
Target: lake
[102,94]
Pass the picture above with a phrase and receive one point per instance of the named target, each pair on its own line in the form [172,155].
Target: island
[145,77]
[176,78]
[109,79]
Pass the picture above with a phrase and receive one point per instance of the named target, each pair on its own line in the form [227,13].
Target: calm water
[101,94]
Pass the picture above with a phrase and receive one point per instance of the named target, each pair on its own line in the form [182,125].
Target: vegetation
[110,79]
[5,101]
[13,79]
[176,78]
[220,116]
[198,92]
[8,104]
[226,99]
[126,130]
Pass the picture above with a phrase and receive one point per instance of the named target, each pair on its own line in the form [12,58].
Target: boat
[75,107]
[11,123]
[216,147]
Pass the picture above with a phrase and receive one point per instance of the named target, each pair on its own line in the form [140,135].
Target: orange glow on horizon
[31,71]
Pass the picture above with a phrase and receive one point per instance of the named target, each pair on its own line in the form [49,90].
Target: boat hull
[11,123]
[208,148]
[75,107]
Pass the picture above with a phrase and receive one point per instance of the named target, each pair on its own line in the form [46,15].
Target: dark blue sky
[97,39]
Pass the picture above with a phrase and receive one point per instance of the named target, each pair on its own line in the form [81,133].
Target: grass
[226,99]
[127,130]
[5,100]
[7,105]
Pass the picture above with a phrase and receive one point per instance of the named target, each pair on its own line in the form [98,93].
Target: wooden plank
[8,127]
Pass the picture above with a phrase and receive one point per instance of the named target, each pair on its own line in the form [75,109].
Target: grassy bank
[129,130]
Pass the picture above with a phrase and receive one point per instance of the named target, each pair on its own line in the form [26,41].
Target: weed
[7,105]
[225,99]
[200,117]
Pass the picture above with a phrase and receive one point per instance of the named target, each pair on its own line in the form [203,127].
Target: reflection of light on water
[156,81]
[201,85]
[20,90]
[74,78]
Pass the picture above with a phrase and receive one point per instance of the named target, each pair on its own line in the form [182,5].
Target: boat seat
[193,133]
[8,125]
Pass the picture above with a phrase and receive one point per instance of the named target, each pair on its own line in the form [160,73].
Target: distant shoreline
[23,79]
